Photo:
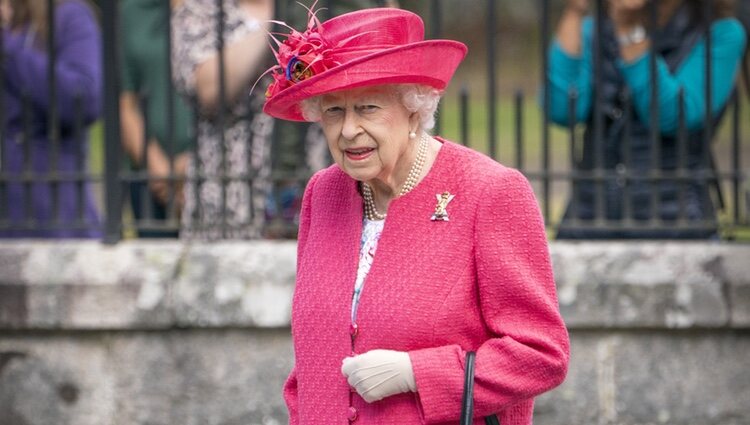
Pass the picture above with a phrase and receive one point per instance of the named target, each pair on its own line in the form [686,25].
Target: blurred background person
[28,105]
[144,108]
[245,129]
[235,210]
[625,54]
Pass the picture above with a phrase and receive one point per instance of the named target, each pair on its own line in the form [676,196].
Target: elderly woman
[462,262]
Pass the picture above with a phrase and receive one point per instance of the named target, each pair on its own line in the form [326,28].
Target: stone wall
[164,333]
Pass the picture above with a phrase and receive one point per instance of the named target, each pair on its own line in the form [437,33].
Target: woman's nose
[351,127]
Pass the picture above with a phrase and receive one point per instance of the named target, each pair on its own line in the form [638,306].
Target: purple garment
[79,100]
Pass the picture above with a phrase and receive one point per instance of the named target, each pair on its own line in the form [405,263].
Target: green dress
[145,72]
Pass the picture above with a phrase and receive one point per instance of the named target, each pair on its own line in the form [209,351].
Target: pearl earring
[412,134]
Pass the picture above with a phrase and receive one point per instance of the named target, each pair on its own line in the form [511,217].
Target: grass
[506,130]
[96,148]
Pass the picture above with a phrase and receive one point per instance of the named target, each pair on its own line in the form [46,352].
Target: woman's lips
[358,154]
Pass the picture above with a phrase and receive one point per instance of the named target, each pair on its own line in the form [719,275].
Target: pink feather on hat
[362,48]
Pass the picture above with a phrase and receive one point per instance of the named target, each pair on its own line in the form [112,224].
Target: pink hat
[363,48]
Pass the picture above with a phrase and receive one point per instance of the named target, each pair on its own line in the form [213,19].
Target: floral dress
[371,231]
[238,209]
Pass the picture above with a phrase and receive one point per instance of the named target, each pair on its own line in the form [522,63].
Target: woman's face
[368,132]
[629,5]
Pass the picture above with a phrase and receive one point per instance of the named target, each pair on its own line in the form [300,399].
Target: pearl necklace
[371,212]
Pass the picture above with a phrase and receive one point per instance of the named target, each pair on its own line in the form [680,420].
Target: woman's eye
[331,110]
[368,108]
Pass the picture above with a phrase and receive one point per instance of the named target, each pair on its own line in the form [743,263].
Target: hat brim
[429,62]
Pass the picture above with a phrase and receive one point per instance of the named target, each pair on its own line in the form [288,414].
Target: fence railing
[642,182]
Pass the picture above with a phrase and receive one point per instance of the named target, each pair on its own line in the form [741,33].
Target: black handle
[467,406]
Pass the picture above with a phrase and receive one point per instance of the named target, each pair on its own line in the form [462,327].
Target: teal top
[144,70]
[568,72]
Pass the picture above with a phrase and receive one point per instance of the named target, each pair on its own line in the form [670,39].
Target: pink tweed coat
[481,281]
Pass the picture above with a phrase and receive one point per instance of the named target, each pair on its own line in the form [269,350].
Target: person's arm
[131,127]
[570,68]
[728,44]
[569,28]
[529,352]
[77,66]
[242,60]
[131,118]
[132,132]
[290,386]
[304,217]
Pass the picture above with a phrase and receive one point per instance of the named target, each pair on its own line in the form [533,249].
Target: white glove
[378,374]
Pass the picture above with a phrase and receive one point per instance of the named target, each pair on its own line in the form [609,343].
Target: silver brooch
[441,214]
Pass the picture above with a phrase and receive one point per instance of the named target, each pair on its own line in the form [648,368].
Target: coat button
[353,330]
[353,414]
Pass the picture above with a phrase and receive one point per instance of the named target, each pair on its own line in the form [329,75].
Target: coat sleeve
[529,352]
[290,386]
[77,69]
[304,217]
[570,74]
[727,48]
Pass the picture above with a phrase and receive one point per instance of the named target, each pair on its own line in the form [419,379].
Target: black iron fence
[605,175]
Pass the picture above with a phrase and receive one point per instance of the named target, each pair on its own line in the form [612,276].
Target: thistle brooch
[441,214]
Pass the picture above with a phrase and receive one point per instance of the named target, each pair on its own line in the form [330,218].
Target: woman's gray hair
[417,98]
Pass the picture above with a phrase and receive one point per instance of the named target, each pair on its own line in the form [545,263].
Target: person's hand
[158,167]
[627,13]
[378,374]
[580,7]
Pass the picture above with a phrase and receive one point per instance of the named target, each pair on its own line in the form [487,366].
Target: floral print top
[236,210]
[371,231]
